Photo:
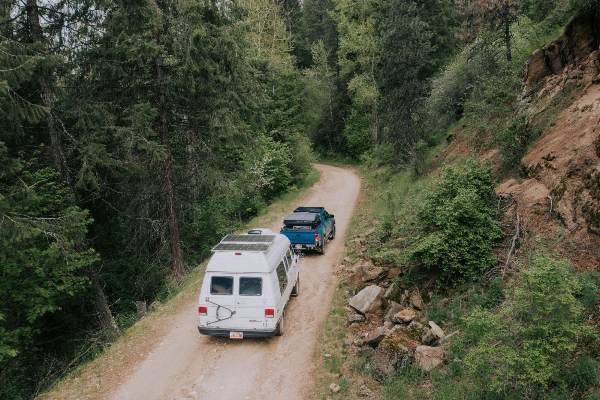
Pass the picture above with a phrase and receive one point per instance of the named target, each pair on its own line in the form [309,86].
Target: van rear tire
[280,326]
[332,234]
[296,288]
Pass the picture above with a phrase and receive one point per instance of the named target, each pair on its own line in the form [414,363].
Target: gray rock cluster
[397,332]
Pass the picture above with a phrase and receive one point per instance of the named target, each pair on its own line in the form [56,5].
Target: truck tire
[322,248]
[296,288]
[281,325]
[332,234]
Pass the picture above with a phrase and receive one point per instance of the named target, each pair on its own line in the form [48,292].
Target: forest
[136,133]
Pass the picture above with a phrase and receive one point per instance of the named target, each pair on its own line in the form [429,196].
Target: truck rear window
[250,286]
[220,285]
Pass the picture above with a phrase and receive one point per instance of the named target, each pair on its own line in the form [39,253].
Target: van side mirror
[331,216]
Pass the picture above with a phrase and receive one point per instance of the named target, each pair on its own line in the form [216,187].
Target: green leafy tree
[459,228]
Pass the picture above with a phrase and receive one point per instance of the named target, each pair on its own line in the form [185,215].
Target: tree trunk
[177,269]
[374,125]
[105,318]
[47,95]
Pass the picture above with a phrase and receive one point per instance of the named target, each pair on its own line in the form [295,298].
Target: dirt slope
[180,364]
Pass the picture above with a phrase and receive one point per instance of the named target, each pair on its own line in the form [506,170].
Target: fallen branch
[513,244]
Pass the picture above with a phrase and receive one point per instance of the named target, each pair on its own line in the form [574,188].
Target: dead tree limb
[513,244]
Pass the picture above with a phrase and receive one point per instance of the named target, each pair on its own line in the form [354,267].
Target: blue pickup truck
[309,228]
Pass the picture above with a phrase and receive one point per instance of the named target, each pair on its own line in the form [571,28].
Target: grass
[90,380]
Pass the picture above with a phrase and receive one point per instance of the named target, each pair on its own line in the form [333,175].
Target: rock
[416,300]
[334,387]
[367,299]
[372,274]
[436,330]
[429,357]
[389,292]
[414,329]
[393,273]
[387,324]
[398,342]
[404,316]
[392,309]
[536,68]
[375,336]
[355,317]
[383,363]
[428,337]
[365,393]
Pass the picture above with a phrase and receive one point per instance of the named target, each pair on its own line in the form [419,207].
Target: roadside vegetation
[521,319]
[134,134]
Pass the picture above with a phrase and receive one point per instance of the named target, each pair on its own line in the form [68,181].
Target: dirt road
[188,366]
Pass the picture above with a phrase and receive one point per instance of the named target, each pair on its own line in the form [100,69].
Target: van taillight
[202,310]
[269,312]
[316,237]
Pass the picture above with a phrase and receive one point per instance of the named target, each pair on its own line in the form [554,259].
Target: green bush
[458,224]
[521,349]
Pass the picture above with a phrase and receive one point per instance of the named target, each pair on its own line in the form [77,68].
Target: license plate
[236,335]
[298,246]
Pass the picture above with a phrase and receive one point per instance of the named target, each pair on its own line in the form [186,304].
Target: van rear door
[251,301]
[220,300]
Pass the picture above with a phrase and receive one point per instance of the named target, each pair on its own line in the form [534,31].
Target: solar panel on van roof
[241,247]
[249,238]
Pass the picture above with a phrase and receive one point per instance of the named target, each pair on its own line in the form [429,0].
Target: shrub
[521,350]
[458,224]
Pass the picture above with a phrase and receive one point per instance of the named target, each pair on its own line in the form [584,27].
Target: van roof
[248,253]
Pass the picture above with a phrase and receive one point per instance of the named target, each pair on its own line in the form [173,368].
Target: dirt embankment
[180,364]
[559,199]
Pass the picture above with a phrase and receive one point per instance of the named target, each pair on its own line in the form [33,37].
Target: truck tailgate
[300,237]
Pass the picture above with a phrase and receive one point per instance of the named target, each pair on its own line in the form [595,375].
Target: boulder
[390,291]
[368,299]
[392,309]
[429,357]
[398,342]
[372,274]
[393,273]
[334,387]
[375,336]
[416,300]
[404,316]
[383,363]
[355,317]
[428,337]
[436,330]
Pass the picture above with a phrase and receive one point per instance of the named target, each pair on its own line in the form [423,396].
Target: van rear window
[250,286]
[220,285]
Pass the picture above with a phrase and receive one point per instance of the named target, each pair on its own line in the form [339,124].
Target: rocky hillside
[396,324]
[559,194]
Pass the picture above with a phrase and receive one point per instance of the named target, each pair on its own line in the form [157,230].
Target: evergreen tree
[411,52]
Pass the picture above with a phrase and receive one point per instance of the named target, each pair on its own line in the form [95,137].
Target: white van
[248,282]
